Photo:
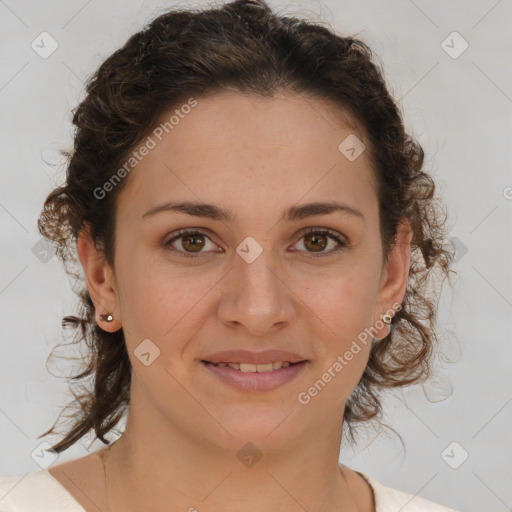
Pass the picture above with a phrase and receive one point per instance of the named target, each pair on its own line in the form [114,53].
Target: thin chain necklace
[105,452]
[103,456]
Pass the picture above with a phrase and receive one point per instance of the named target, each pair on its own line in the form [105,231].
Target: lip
[253,381]
[249,356]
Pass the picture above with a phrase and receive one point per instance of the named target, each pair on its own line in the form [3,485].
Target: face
[259,278]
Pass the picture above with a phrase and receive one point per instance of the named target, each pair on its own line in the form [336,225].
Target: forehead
[245,149]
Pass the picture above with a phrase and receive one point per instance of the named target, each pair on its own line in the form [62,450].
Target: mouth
[255,377]
[255,368]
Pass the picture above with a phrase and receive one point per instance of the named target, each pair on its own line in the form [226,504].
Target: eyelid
[176,235]
[336,236]
[326,231]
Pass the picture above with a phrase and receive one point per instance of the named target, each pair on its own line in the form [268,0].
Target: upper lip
[248,356]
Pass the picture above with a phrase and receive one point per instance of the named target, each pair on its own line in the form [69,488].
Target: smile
[255,377]
[256,368]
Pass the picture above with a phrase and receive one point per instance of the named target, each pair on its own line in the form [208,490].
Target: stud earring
[387,320]
[107,318]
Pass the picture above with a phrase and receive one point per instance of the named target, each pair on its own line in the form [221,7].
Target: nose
[257,295]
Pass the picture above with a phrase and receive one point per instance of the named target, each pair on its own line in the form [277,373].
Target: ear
[100,281]
[396,272]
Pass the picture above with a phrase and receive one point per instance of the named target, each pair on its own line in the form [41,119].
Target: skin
[257,157]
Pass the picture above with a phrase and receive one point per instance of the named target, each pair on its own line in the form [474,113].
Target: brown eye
[316,241]
[192,242]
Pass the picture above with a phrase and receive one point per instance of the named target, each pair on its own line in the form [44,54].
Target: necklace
[105,452]
[103,456]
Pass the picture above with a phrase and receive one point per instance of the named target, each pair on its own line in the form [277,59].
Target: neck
[148,473]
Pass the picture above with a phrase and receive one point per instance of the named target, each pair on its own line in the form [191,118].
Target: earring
[387,320]
[107,318]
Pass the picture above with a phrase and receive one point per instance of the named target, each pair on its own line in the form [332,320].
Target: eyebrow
[214,212]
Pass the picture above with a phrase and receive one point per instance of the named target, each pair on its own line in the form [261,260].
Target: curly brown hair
[242,46]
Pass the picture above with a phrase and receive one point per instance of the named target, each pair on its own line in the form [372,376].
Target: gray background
[458,108]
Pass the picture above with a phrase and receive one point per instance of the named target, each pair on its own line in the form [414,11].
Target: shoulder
[38,491]
[388,499]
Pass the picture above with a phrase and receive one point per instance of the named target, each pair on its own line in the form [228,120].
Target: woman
[255,231]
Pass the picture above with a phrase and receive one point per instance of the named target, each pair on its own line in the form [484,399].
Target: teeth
[245,367]
[256,368]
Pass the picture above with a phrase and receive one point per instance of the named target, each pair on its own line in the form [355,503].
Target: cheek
[346,306]
[161,301]
[347,302]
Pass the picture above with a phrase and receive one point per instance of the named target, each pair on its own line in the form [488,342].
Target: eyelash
[333,235]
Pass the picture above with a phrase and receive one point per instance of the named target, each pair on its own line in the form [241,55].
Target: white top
[40,491]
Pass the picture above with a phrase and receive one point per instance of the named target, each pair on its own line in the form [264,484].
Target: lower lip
[253,381]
